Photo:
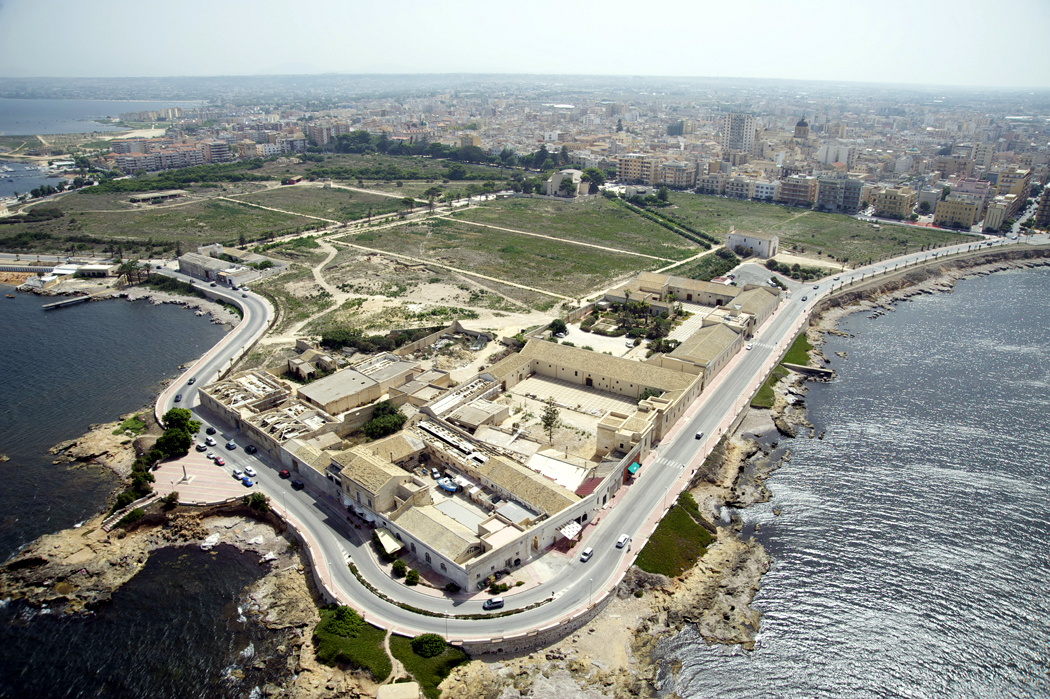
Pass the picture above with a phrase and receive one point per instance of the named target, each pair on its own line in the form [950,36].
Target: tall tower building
[738,133]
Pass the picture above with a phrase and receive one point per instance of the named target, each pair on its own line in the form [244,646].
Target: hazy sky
[955,42]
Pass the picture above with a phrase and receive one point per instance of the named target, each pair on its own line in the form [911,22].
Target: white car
[630,343]
[211,455]
[238,473]
[249,471]
[749,346]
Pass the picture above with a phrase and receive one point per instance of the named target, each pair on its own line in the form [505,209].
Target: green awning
[633,468]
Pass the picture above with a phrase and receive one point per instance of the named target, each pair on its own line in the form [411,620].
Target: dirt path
[396,668]
[561,240]
[280,211]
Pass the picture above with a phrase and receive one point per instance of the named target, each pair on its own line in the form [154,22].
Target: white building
[762,245]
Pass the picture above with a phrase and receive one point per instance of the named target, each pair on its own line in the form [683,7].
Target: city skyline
[821,41]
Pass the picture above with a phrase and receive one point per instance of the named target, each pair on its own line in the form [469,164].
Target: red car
[285,474]
[220,461]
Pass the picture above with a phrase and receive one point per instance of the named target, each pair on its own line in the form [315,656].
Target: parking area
[573,396]
[207,482]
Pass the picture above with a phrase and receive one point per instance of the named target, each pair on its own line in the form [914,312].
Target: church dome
[802,122]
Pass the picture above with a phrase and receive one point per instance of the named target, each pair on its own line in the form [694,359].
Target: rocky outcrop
[102,447]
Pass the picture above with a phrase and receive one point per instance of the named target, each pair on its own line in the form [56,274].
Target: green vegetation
[296,294]
[257,501]
[338,338]
[337,204]
[797,271]
[33,216]
[597,221]
[716,264]
[678,542]
[561,268]
[399,569]
[836,236]
[131,517]
[798,352]
[177,179]
[342,636]
[387,419]
[412,577]
[429,670]
[134,425]
[172,285]
[765,397]
[428,645]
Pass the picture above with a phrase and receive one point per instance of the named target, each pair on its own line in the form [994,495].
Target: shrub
[399,568]
[412,577]
[452,587]
[131,517]
[428,645]
[257,501]
[171,500]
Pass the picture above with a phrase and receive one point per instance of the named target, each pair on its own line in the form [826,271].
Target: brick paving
[571,394]
[208,482]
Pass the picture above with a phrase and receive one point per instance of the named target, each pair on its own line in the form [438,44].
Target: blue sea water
[912,554]
[43,117]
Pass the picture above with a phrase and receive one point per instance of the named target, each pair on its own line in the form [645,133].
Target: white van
[586,555]
[622,541]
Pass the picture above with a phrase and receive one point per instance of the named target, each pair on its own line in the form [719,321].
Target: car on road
[193,380]
[231,445]
[284,473]
[210,430]
[622,541]
[804,298]
[748,346]
[210,441]
[220,461]
[238,473]
[247,482]
[494,603]
[586,555]
[178,398]
[248,470]
[211,456]
[298,485]
[816,286]
[213,283]
[201,447]
[836,279]
[250,449]
[700,435]
[244,296]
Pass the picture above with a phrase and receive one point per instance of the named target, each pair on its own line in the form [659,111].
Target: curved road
[333,541]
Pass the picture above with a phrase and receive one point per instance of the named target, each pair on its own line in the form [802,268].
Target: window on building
[398,536]
[427,556]
[413,548]
[443,568]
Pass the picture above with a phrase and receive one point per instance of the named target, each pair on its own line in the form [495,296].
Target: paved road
[324,523]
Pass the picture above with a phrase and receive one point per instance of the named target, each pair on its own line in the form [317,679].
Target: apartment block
[740,187]
[469,139]
[1017,182]
[637,168]
[677,174]
[1042,214]
[982,155]
[738,133]
[798,189]
[895,202]
[953,165]
[766,190]
[714,183]
[839,194]
[216,152]
[958,211]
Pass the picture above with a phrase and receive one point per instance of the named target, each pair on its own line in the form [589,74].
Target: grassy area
[708,267]
[337,204]
[429,672]
[677,544]
[765,396]
[133,424]
[558,267]
[343,637]
[19,144]
[797,353]
[596,221]
[801,231]
[297,294]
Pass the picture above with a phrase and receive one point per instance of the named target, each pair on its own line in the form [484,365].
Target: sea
[20,117]
[911,556]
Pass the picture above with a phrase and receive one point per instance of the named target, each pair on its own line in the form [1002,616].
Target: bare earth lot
[337,203]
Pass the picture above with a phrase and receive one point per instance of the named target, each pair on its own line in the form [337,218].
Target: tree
[924,207]
[180,418]
[549,419]
[619,125]
[174,442]
[663,194]
[387,418]
[432,193]
[567,186]
[409,203]
[412,577]
[945,192]
[429,645]
[399,568]
[558,326]
[595,176]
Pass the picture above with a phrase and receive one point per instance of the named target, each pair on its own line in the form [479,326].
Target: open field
[677,543]
[194,224]
[429,672]
[297,294]
[544,264]
[336,204]
[808,232]
[596,221]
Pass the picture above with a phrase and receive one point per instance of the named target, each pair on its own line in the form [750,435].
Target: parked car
[213,283]
[435,474]
[284,472]
[249,471]
[494,603]
[210,442]
[201,447]
[298,485]
[586,555]
[630,343]
[178,398]
[193,380]
[238,473]
[622,541]
[231,445]
[211,455]
[250,449]
[210,430]
[560,335]
[748,346]
[220,461]
[247,482]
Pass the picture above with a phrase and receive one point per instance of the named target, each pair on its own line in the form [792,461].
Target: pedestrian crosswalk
[664,461]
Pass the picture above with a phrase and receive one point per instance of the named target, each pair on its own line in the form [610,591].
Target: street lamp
[446,624]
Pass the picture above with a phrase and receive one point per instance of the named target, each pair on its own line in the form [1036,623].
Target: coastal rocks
[283,600]
[100,446]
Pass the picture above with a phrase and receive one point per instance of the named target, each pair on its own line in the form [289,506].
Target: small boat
[10,296]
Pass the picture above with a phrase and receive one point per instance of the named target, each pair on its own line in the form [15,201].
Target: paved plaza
[208,482]
[576,397]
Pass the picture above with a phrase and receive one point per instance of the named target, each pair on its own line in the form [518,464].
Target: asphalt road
[579,583]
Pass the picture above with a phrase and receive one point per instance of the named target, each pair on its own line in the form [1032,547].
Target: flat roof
[341,384]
